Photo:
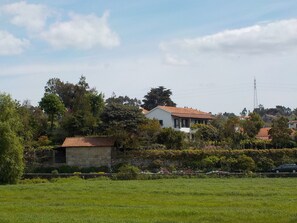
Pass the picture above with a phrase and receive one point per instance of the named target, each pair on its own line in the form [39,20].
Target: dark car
[286,168]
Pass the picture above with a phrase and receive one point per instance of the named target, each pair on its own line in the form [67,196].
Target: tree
[279,110]
[122,121]
[11,155]
[84,106]
[232,131]
[205,132]
[280,133]
[260,110]
[252,125]
[149,131]
[157,96]
[171,139]
[11,150]
[124,100]
[231,127]
[244,112]
[53,106]
[34,123]
[70,94]
[219,122]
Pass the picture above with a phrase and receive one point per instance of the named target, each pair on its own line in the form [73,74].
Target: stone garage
[88,151]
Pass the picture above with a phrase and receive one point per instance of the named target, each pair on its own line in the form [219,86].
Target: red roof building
[178,118]
[87,151]
[263,134]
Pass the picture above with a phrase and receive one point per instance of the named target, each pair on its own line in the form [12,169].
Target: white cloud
[268,38]
[31,16]
[82,32]
[174,60]
[10,45]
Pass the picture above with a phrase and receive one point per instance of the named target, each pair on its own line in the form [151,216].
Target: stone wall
[88,156]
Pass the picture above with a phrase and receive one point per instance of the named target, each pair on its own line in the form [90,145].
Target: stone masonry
[88,156]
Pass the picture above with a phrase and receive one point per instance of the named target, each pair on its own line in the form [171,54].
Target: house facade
[179,119]
[293,124]
[87,151]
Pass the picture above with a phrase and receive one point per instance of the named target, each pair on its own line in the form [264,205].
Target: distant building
[293,124]
[179,119]
[86,151]
[263,134]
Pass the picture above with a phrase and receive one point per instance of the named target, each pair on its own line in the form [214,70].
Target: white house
[293,124]
[180,119]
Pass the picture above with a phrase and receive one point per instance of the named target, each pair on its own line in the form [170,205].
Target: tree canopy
[52,105]
[157,96]
[252,124]
[11,149]
[124,100]
[122,121]
[280,133]
[83,107]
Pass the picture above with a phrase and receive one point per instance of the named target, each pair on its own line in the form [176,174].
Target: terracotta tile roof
[263,133]
[88,142]
[144,111]
[186,112]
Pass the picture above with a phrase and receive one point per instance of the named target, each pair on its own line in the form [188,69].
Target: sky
[207,52]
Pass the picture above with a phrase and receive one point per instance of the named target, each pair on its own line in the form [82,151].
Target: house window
[176,123]
[185,123]
[161,122]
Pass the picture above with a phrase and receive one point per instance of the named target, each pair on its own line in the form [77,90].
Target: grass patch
[165,200]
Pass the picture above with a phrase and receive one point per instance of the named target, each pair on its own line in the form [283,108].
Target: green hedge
[232,160]
[194,154]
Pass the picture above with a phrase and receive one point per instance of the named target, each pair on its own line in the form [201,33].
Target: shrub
[33,181]
[55,172]
[155,165]
[228,164]
[192,164]
[128,172]
[171,139]
[245,163]
[66,180]
[265,164]
[195,155]
[115,168]
[210,162]
[287,159]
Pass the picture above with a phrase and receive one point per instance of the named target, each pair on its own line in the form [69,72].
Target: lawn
[168,200]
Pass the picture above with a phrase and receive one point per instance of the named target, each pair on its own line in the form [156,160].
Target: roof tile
[88,142]
[186,112]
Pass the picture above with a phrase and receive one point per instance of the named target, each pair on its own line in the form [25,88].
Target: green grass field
[169,200]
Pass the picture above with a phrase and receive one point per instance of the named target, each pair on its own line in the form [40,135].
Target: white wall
[160,114]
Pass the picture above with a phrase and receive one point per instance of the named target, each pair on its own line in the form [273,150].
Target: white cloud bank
[31,16]
[10,45]
[82,32]
[79,31]
[269,38]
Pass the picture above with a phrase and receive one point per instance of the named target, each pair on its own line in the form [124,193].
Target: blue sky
[206,52]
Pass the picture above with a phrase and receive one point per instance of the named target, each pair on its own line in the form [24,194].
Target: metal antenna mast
[255,94]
